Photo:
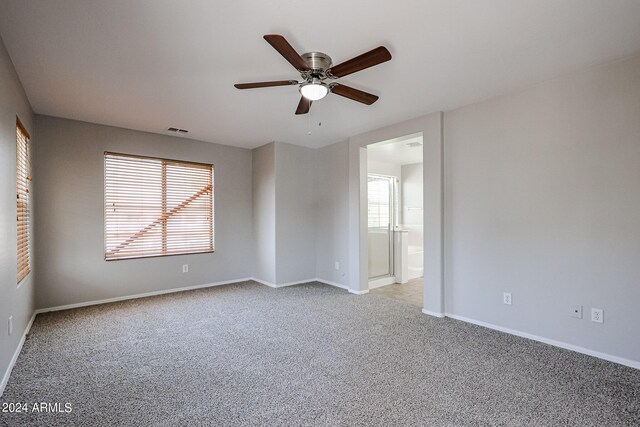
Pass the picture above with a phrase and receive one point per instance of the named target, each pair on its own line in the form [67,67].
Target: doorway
[430,128]
[395,231]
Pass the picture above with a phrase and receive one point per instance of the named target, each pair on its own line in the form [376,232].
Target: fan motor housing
[317,61]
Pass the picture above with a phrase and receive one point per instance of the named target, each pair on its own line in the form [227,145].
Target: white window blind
[23,180]
[157,207]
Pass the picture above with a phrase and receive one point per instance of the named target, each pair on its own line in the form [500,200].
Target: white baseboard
[433,313]
[316,279]
[263,282]
[566,346]
[300,282]
[14,359]
[282,285]
[135,296]
[378,283]
[337,285]
[183,289]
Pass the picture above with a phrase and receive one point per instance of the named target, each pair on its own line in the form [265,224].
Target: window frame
[104,205]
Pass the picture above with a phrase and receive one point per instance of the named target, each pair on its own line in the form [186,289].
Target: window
[23,179]
[156,207]
[383,207]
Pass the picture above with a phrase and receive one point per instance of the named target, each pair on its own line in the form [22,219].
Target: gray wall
[543,201]
[412,202]
[14,301]
[412,197]
[332,213]
[295,213]
[264,212]
[70,218]
[284,213]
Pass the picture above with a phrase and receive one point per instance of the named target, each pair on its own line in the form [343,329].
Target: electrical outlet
[336,265]
[185,268]
[10,325]
[597,315]
[576,311]
[506,298]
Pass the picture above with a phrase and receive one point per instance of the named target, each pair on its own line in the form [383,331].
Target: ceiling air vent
[177,130]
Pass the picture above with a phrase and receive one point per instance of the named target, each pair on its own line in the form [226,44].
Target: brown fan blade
[283,47]
[355,94]
[265,84]
[303,106]
[361,62]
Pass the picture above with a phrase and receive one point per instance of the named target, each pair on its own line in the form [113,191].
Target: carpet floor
[246,354]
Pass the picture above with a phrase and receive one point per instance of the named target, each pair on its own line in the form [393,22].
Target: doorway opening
[395,232]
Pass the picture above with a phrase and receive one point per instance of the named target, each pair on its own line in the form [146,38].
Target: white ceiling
[152,64]
[405,150]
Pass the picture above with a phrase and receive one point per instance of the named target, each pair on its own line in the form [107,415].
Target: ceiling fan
[316,68]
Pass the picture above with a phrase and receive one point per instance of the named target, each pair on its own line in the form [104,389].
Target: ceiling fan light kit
[315,90]
[315,68]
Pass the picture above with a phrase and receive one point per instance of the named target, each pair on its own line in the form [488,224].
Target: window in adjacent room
[157,207]
[383,204]
[23,199]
